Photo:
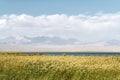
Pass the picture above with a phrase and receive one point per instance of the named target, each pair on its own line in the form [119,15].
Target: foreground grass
[41,67]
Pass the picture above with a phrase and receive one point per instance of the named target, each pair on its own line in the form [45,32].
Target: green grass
[46,67]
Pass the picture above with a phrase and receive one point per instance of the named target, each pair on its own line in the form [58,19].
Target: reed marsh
[46,67]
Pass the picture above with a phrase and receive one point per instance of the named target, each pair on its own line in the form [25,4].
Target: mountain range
[36,40]
[42,40]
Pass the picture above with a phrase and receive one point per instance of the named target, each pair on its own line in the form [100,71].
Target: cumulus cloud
[2,23]
[81,27]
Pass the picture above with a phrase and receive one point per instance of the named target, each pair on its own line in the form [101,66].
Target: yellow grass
[20,67]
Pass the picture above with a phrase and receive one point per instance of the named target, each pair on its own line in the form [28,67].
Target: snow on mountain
[36,40]
[44,40]
[14,40]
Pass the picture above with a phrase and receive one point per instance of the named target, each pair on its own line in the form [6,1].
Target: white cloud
[82,27]
[2,23]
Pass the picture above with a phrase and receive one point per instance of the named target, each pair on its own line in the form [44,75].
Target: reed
[46,67]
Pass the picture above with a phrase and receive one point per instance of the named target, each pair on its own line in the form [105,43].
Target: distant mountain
[113,43]
[15,40]
[44,40]
[36,40]
[104,43]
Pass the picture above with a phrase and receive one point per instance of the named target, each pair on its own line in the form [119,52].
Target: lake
[77,53]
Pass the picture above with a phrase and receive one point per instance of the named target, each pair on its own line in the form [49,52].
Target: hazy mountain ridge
[36,40]
[43,40]
[104,43]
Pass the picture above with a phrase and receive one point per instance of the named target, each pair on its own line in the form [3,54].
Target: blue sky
[82,20]
[69,7]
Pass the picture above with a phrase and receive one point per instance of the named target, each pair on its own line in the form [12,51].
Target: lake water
[78,53]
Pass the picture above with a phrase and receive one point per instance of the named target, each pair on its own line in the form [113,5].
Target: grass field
[45,67]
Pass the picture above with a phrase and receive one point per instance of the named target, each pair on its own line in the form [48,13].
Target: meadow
[15,66]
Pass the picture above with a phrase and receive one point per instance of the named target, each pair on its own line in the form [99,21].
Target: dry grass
[36,67]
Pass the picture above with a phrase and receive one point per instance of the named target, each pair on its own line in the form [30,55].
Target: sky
[83,20]
[69,7]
